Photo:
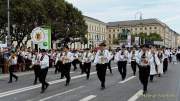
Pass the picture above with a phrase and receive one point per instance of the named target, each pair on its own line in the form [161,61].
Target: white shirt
[139,59]
[121,57]
[44,62]
[13,61]
[102,58]
[67,58]
[87,57]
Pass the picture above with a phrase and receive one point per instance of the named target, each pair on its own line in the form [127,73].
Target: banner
[42,37]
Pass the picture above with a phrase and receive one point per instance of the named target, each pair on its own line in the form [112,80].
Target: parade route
[80,89]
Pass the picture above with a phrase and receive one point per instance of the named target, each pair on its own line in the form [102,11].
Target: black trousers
[66,72]
[87,68]
[122,68]
[165,65]
[42,78]
[36,69]
[74,62]
[11,75]
[151,77]
[178,57]
[109,66]
[144,72]
[101,73]
[133,66]
[28,63]
[58,67]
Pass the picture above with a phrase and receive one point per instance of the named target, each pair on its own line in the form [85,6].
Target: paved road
[165,88]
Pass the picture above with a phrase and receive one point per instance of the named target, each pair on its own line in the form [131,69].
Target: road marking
[16,91]
[132,77]
[88,98]
[62,93]
[136,96]
[22,73]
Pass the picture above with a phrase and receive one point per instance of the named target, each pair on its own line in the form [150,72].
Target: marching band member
[66,58]
[44,63]
[132,59]
[75,61]
[153,63]
[121,58]
[58,62]
[165,60]
[144,68]
[86,61]
[52,55]
[13,64]
[160,63]
[101,60]
[178,55]
[36,66]
[109,63]
[80,57]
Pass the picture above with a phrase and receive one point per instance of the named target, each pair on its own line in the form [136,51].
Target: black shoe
[10,82]
[34,83]
[62,78]
[144,92]
[159,75]
[47,86]
[67,84]
[42,91]
[16,79]
[151,81]
[102,88]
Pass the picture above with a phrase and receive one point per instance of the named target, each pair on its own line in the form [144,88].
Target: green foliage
[116,41]
[145,37]
[64,19]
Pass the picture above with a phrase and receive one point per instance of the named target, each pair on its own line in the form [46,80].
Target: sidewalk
[2,76]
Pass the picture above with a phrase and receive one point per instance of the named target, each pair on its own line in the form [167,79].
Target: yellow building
[114,29]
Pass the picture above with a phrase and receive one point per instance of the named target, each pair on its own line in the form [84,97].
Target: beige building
[114,29]
[96,31]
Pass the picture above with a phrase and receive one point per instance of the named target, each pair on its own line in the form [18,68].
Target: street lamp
[8,28]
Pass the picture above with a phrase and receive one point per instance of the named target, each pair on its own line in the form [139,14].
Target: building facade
[96,31]
[148,26]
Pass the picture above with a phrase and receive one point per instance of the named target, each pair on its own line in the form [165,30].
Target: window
[109,30]
[150,28]
[136,29]
[140,28]
[145,28]
[118,30]
[113,36]
[155,27]
[110,36]
[113,30]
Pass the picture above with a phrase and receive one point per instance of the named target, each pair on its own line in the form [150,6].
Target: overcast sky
[167,11]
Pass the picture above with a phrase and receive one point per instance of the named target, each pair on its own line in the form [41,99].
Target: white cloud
[115,10]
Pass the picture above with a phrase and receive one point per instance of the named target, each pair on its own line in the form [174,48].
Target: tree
[144,37]
[25,15]
[63,18]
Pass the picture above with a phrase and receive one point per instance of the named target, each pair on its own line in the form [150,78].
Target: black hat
[43,50]
[102,44]
[145,46]
[66,46]
[86,49]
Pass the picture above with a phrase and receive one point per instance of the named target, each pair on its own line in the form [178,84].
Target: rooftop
[135,22]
